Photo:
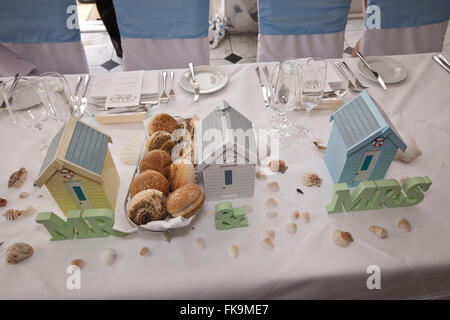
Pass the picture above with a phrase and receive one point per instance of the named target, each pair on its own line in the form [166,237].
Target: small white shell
[77,263]
[341,238]
[145,252]
[404,225]
[270,234]
[411,152]
[290,227]
[271,203]
[295,215]
[267,243]
[233,251]
[247,208]
[30,210]
[272,214]
[200,243]
[310,179]
[305,216]
[130,152]
[108,256]
[260,175]
[379,232]
[273,186]
[24,195]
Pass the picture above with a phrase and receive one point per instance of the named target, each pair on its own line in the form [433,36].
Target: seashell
[341,238]
[18,252]
[247,208]
[271,203]
[145,252]
[29,210]
[260,175]
[17,179]
[24,195]
[272,214]
[278,166]
[412,151]
[299,190]
[3,202]
[295,215]
[320,147]
[108,256]
[311,179]
[270,234]
[78,263]
[305,216]
[267,243]
[13,214]
[233,251]
[273,186]
[132,149]
[290,227]
[404,225]
[379,232]
[200,243]
[167,235]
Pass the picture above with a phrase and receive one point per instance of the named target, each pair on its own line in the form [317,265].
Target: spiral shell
[278,166]
[130,152]
[108,256]
[341,238]
[310,179]
[404,225]
[379,232]
[13,214]
[412,151]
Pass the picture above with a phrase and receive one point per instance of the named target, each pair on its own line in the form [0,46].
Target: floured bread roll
[185,201]
[149,179]
[158,160]
[146,206]
[160,140]
[162,122]
[181,172]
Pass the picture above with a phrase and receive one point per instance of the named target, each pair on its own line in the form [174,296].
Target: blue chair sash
[162,19]
[36,21]
[284,17]
[410,13]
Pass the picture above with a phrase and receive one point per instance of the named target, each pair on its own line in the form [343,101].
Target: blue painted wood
[51,152]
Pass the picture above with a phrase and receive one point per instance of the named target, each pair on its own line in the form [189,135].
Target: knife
[264,90]
[194,83]
[441,63]
[445,61]
[375,74]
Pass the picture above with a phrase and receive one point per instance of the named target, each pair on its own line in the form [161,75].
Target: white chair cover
[407,27]
[301,28]
[11,63]
[45,33]
[159,34]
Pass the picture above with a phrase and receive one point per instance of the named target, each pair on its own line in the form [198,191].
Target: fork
[164,98]
[351,86]
[359,86]
[172,92]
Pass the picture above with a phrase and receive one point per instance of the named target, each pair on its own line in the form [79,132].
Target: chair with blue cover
[404,26]
[45,33]
[158,34]
[301,28]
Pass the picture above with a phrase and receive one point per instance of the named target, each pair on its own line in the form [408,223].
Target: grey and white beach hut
[227,154]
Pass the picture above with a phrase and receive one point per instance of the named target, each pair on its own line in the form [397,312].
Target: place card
[125,89]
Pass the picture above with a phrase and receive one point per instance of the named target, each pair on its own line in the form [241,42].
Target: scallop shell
[260,175]
[310,179]
[78,263]
[273,186]
[145,252]
[271,203]
[24,195]
[233,251]
[291,227]
[305,216]
[247,208]
[404,225]
[267,243]
[272,214]
[295,215]
[412,151]
[17,179]
[341,238]
[18,252]
[108,256]
[130,152]
[379,232]
[278,166]
[13,214]
[270,234]
[200,243]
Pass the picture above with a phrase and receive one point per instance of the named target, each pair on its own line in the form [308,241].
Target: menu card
[125,89]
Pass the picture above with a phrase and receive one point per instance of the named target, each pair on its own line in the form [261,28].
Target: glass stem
[307,116]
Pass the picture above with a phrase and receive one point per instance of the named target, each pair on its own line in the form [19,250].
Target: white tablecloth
[304,265]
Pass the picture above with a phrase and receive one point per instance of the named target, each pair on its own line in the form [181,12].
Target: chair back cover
[405,26]
[44,32]
[159,34]
[301,28]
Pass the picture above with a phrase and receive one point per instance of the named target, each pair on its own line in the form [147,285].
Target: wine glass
[286,76]
[26,105]
[311,93]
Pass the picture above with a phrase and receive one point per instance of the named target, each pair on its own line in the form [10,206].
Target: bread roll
[148,205]
[158,160]
[185,201]
[160,140]
[162,122]
[149,179]
[181,172]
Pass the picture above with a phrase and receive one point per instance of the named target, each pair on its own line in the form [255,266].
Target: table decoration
[228,217]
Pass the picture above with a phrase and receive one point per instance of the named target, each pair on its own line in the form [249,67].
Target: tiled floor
[233,49]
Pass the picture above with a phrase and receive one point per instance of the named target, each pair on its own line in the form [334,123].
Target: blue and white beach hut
[363,142]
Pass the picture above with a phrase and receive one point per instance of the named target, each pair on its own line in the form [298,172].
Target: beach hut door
[229,185]
[366,166]
[78,194]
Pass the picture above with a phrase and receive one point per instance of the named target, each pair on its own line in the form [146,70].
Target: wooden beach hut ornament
[362,143]
[227,154]
[78,169]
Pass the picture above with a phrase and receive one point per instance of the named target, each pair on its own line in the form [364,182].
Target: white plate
[210,79]
[389,69]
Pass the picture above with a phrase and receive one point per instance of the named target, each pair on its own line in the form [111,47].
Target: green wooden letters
[228,217]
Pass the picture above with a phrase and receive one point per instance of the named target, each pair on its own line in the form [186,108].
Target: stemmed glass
[311,93]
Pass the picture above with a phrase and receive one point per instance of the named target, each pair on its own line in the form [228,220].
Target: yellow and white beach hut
[78,169]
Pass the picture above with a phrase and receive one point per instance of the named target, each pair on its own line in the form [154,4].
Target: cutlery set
[354,87]
[164,99]
[375,74]
[266,91]
[442,61]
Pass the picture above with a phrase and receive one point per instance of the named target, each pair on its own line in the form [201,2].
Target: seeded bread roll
[149,179]
[181,172]
[160,140]
[162,122]
[148,205]
[158,160]
[185,201]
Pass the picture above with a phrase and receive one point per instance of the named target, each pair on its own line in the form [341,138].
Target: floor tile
[219,62]
[244,46]
[222,50]
[233,58]
[109,65]
[119,68]
[98,54]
